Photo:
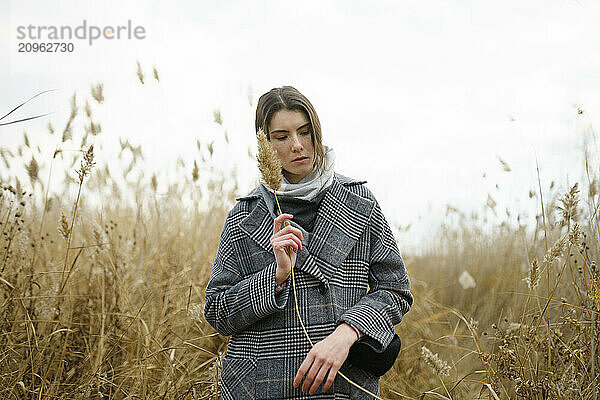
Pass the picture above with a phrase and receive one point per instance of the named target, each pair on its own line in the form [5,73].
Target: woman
[351,283]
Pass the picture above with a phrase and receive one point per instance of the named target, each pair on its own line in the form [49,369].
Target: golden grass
[268,163]
[107,302]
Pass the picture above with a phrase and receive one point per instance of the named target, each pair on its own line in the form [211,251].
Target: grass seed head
[555,251]
[97,92]
[569,209]
[74,108]
[217,117]
[63,226]
[439,366]
[95,128]
[33,170]
[575,234]
[196,312]
[67,132]
[154,182]
[534,275]
[195,172]
[139,72]
[86,164]
[504,164]
[268,162]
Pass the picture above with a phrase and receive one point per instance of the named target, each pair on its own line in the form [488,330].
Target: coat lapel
[341,218]
[258,225]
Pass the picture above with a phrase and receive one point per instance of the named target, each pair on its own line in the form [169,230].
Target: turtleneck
[304,211]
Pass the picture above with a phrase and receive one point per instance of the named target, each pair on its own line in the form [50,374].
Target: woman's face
[290,135]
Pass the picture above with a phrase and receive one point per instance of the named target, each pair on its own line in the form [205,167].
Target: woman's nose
[296,145]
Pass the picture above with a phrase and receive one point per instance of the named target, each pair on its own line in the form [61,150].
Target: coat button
[323,288]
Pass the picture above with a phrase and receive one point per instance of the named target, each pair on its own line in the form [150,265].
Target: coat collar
[341,218]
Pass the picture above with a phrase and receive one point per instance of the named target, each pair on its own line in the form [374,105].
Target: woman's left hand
[326,358]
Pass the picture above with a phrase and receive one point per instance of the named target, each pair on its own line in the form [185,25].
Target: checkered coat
[349,269]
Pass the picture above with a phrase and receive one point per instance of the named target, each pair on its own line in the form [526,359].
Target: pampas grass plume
[268,162]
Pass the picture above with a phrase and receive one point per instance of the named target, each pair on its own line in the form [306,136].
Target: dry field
[105,302]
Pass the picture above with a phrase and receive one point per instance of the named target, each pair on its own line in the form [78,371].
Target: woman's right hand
[286,242]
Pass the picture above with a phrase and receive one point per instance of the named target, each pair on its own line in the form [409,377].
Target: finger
[314,369]
[285,244]
[290,229]
[303,368]
[288,236]
[278,220]
[297,232]
[319,379]
[330,378]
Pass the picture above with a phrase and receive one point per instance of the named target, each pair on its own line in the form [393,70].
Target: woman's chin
[295,176]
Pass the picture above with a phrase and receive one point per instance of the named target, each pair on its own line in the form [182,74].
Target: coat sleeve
[234,302]
[389,296]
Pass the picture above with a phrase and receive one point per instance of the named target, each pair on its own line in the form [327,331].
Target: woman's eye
[281,138]
[305,133]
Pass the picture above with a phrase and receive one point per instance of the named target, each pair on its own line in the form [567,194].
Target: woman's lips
[301,160]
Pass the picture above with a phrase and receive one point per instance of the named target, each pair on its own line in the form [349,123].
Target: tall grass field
[103,299]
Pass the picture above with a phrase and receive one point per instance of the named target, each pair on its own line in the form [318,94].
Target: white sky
[418,98]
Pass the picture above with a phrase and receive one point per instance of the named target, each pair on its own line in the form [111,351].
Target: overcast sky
[419,98]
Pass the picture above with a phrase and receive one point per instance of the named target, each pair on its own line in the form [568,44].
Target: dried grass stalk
[268,162]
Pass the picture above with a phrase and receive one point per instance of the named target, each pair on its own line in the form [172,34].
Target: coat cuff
[262,292]
[377,330]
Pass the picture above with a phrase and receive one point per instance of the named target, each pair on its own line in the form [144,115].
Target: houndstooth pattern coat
[349,269]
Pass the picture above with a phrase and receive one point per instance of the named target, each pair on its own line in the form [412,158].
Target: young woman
[351,282]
